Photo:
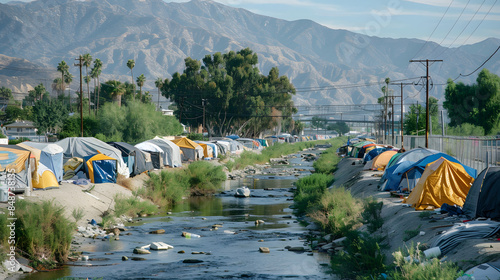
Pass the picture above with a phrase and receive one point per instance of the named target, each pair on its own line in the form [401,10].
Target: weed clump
[309,192]
[372,214]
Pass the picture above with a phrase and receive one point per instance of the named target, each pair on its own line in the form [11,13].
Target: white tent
[155,152]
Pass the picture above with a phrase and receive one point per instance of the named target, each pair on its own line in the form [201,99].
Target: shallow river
[230,252]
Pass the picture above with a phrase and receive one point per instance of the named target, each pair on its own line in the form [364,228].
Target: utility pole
[401,119]
[427,78]
[80,64]
[203,102]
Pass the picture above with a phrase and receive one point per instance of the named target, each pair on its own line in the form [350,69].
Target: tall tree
[131,65]
[159,84]
[49,115]
[414,120]
[95,73]
[68,79]
[58,86]
[63,68]
[5,95]
[117,90]
[140,82]
[87,61]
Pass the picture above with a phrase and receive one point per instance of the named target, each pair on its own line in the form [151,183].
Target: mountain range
[327,66]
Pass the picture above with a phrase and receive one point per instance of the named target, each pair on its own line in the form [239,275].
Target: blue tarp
[375,152]
[104,170]
[393,175]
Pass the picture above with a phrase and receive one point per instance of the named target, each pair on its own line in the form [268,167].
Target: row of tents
[428,178]
[44,165]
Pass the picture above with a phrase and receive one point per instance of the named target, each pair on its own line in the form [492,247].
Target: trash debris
[190,235]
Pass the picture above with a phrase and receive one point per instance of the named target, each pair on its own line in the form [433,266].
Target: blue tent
[393,175]
[375,152]
[412,174]
[234,137]
[101,168]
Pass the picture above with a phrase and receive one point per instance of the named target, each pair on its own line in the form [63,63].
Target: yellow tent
[45,178]
[190,149]
[381,161]
[101,168]
[207,150]
[443,181]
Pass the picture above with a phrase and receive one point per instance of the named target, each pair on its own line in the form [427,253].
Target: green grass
[372,214]
[309,192]
[78,214]
[204,177]
[42,230]
[132,206]
[327,163]
[409,234]
[425,214]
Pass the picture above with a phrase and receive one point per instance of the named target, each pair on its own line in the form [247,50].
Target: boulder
[264,250]
[141,251]
[192,261]
[158,231]
[242,192]
[296,249]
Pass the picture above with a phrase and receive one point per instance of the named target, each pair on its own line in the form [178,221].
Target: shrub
[338,212]
[166,188]
[42,230]
[362,256]
[204,178]
[327,163]
[131,206]
[372,214]
[78,214]
[415,267]
[309,192]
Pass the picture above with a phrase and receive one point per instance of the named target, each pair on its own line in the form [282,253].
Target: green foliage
[340,127]
[4,230]
[43,230]
[309,191]
[78,214]
[204,177]
[465,129]
[166,188]
[425,214]
[196,136]
[229,164]
[132,206]
[361,257]
[328,161]
[6,94]
[477,104]
[415,119]
[236,94]
[49,115]
[39,93]
[72,127]
[415,267]
[337,212]
[372,214]
[318,122]
[17,141]
[409,234]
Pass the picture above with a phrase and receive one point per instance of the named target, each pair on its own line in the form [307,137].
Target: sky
[450,23]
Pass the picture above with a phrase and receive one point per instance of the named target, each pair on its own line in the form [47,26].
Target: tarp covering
[483,199]
[45,178]
[172,155]
[15,158]
[191,150]
[101,168]
[443,181]
[50,155]
[135,158]
[86,146]
[381,161]
[155,152]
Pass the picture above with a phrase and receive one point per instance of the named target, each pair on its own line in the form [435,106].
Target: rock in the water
[181,252]
[262,240]
[138,259]
[242,192]
[192,261]
[296,249]
[108,254]
[158,231]
[141,251]
[124,258]
[264,250]
[116,231]
[216,226]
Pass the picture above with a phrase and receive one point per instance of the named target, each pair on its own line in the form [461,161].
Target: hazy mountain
[160,35]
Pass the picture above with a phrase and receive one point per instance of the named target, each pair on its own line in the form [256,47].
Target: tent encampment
[87,146]
[155,152]
[483,199]
[136,160]
[50,155]
[411,155]
[101,168]
[14,159]
[410,176]
[171,152]
[381,161]
[443,181]
[191,150]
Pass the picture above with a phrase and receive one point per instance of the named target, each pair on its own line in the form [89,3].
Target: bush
[372,214]
[42,230]
[205,178]
[338,212]
[166,188]
[309,192]
[131,206]
[416,267]
[362,256]
[327,163]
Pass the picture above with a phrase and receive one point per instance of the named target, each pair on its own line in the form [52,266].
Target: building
[23,129]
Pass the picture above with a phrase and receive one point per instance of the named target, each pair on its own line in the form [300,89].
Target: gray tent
[136,160]
[172,153]
[86,146]
[483,198]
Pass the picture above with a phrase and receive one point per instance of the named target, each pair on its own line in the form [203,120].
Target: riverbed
[228,246]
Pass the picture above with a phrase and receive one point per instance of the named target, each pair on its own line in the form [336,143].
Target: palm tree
[96,72]
[117,91]
[131,65]
[68,79]
[57,85]
[140,82]
[63,68]
[87,80]
[159,84]
[87,61]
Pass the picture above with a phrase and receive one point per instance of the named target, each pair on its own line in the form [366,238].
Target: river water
[230,252]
